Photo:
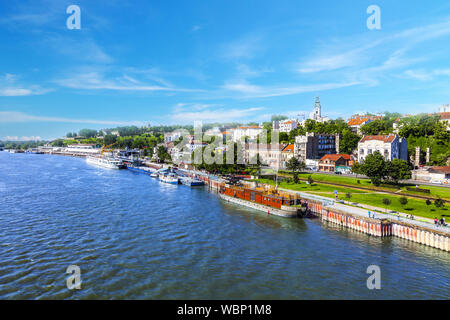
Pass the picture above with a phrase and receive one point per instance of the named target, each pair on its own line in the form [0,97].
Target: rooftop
[388,139]
[335,157]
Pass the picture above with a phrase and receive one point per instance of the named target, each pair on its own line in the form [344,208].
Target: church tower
[317,109]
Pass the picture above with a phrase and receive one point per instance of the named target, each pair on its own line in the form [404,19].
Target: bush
[403,200]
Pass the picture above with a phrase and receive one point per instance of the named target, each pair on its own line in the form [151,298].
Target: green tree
[375,168]
[310,180]
[386,202]
[398,169]
[349,141]
[348,195]
[69,135]
[295,166]
[109,139]
[439,203]
[278,117]
[403,201]
[87,133]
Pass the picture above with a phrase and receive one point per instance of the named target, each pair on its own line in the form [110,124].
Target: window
[252,196]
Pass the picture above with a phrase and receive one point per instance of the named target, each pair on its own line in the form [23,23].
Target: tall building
[316,114]
[390,146]
[315,146]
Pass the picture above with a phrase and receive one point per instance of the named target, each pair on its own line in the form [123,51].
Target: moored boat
[271,201]
[169,178]
[105,162]
[192,182]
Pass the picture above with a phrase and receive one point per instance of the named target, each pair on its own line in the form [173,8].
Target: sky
[176,62]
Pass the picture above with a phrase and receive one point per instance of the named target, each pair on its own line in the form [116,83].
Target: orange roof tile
[389,138]
[335,157]
[289,148]
[357,121]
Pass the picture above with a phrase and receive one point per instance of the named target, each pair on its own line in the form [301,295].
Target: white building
[251,132]
[172,136]
[285,125]
[390,146]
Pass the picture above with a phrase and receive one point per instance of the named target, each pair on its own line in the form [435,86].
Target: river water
[134,237]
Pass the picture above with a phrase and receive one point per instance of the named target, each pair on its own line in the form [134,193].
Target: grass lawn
[315,187]
[436,191]
[416,207]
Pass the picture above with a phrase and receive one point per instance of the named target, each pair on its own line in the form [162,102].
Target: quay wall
[381,228]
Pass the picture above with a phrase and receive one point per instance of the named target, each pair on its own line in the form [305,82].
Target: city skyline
[215,62]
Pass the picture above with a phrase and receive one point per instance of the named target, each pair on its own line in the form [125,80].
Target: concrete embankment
[381,226]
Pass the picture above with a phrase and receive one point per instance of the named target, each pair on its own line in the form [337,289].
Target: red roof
[445,169]
[389,138]
[289,148]
[444,115]
[336,157]
[357,121]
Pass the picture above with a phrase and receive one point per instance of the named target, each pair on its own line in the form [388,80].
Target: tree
[162,154]
[278,117]
[87,133]
[295,165]
[403,200]
[310,180]
[356,168]
[439,203]
[398,169]
[348,195]
[109,139]
[428,202]
[349,141]
[69,135]
[386,202]
[375,168]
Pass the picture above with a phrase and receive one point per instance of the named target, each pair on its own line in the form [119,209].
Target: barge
[271,201]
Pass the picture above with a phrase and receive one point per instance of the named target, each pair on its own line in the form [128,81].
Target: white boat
[109,163]
[169,178]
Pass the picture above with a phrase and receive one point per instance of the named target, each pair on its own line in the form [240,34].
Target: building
[390,146]
[172,136]
[286,153]
[335,163]
[315,146]
[438,175]
[316,114]
[250,132]
[444,114]
[285,125]
[269,154]
[356,123]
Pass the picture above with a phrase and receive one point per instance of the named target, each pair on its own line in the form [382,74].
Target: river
[134,237]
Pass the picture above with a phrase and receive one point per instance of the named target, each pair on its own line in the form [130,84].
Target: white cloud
[96,80]
[10,88]
[23,138]
[253,91]
[18,117]
[216,115]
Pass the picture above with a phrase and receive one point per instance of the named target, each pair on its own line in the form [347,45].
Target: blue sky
[167,62]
